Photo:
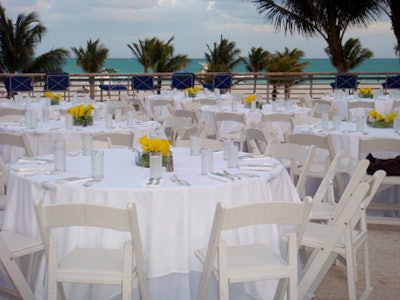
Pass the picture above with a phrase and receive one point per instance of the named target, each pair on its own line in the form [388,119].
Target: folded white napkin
[73,179]
[37,161]
[219,177]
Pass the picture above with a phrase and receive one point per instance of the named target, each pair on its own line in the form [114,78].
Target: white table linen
[253,117]
[347,139]
[174,220]
[55,111]
[178,98]
[42,138]
[383,105]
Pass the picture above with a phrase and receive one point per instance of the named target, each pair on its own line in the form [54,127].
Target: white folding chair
[305,101]
[92,265]
[338,237]
[242,263]
[187,113]
[303,120]
[204,143]
[205,101]
[320,107]
[347,173]
[299,161]
[354,107]
[138,104]
[159,108]
[230,126]
[190,105]
[325,148]
[384,148]
[257,140]
[115,139]
[12,246]
[19,140]
[12,114]
[77,145]
[279,123]
[174,127]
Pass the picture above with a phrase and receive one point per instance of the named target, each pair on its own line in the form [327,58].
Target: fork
[91,181]
[241,174]
[174,178]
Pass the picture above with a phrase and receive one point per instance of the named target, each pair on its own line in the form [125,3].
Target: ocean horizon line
[316,65]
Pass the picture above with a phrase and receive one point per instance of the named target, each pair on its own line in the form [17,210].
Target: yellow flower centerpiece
[82,114]
[251,98]
[192,91]
[54,99]
[153,145]
[365,92]
[377,120]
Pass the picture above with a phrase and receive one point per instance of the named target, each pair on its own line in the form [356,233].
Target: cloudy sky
[194,24]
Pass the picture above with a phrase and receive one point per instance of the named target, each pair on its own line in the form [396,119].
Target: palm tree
[286,61]
[18,42]
[392,9]
[91,59]
[141,51]
[159,56]
[329,19]
[223,57]
[256,62]
[353,53]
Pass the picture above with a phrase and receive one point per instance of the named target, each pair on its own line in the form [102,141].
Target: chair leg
[368,286]
[350,266]
[223,289]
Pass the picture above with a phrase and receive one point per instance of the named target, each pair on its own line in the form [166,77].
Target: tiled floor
[384,254]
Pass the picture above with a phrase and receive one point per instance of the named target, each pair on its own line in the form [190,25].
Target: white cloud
[193,23]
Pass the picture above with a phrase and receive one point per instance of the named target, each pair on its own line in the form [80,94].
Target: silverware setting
[175,178]
[154,181]
[72,179]
[241,174]
[91,181]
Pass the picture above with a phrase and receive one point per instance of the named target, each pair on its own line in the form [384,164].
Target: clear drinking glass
[155,165]
[97,164]
[60,156]
[207,161]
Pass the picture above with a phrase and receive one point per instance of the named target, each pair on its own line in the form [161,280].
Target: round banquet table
[178,98]
[174,220]
[42,138]
[55,111]
[347,139]
[253,117]
[382,104]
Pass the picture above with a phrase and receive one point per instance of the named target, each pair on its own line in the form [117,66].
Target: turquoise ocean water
[130,65]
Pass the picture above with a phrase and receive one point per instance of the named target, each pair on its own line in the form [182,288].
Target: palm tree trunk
[91,87]
[337,54]
[255,84]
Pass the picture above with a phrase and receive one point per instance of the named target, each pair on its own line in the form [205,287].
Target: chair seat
[248,262]
[19,244]
[322,211]
[316,234]
[88,262]
[112,87]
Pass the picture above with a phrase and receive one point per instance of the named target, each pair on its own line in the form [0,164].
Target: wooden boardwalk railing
[315,84]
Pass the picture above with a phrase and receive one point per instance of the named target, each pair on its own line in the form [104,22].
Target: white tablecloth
[347,139]
[55,111]
[383,105]
[174,220]
[178,98]
[42,138]
[253,117]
